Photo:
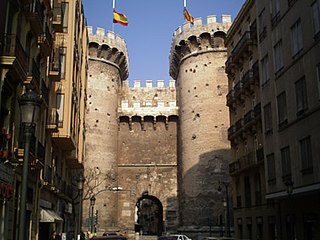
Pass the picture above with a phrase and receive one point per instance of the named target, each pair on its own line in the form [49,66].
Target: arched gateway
[149,215]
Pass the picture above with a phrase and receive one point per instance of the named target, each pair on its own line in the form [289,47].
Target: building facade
[285,44]
[43,48]
[156,155]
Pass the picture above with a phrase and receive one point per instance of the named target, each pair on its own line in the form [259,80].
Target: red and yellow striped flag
[187,16]
[120,18]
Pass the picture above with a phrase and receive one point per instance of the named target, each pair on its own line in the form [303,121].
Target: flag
[120,18]
[187,16]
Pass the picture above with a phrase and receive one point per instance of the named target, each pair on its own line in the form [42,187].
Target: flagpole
[184,3]
[113,7]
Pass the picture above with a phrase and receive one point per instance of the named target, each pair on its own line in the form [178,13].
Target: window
[262,26]
[265,70]
[286,163]
[306,155]
[60,104]
[65,10]
[301,96]
[296,35]
[278,56]
[271,164]
[247,192]
[63,52]
[282,109]
[267,119]
[275,11]
[316,17]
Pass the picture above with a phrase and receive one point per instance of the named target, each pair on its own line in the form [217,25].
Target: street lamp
[29,104]
[226,184]
[80,189]
[92,202]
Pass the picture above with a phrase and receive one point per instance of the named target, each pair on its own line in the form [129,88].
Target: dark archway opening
[150,215]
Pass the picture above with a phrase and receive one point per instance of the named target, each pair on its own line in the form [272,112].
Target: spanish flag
[120,18]
[187,16]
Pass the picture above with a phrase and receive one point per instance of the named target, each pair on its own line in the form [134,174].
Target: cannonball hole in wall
[108,114]
[89,96]
[186,70]
[193,137]
[97,121]
[190,70]
[195,88]
[196,66]
[196,96]
[205,65]
[207,84]
[194,71]
[90,75]
[188,91]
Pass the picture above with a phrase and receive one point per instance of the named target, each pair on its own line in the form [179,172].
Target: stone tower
[108,67]
[197,61]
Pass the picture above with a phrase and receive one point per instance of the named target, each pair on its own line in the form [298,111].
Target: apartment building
[43,47]
[286,48]
[251,211]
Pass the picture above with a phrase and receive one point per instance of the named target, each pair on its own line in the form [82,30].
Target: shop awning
[50,216]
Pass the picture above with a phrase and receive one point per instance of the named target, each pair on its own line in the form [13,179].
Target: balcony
[248,81]
[53,121]
[248,118]
[230,98]
[55,66]
[34,78]
[56,183]
[13,56]
[244,46]
[229,65]
[36,17]
[248,161]
[45,41]
[257,111]
[44,93]
[230,132]
[237,89]
[41,153]
[235,130]
[239,125]
[57,23]
[47,176]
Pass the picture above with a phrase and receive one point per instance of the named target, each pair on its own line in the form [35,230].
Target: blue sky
[151,26]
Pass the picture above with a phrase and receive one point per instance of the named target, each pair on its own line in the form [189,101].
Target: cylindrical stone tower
[108,67]
[197,61]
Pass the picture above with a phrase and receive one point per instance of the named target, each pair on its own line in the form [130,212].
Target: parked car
[109,237]
[174,237]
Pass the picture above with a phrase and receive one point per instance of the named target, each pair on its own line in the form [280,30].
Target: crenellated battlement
[198,38]
[148,100]
[110,48]
[200,27]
